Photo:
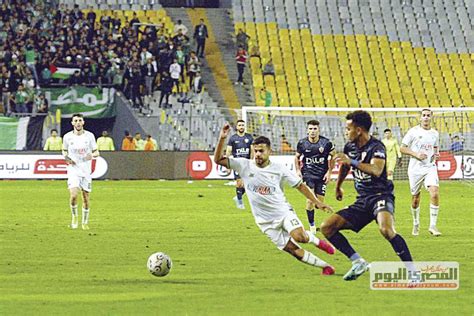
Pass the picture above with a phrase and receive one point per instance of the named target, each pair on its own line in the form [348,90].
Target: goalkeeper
[393,152]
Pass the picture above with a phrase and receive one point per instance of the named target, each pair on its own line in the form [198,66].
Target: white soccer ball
[159,264]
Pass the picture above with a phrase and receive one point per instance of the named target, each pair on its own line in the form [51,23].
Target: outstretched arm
[309,194]
[219,157]
[374,168]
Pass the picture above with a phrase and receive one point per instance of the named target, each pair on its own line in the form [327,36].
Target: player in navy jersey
[375,201]
[240,146]
[314,163]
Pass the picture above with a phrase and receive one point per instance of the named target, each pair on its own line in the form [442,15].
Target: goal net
[286,125]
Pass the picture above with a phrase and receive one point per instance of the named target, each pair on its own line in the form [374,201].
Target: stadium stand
[361,53]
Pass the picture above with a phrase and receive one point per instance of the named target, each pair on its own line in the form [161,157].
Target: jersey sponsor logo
[315,160]
[242,151]
[261,189]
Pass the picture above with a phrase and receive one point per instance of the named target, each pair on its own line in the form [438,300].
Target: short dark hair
[77,115]
[360,119]
[313,122]
[262,140]
[239,121]
[55,130]
[387,130]
[426,109]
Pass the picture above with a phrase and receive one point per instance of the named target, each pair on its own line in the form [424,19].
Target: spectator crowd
[134,56]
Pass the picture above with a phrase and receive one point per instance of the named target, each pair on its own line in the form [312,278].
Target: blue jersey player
[314,163]
[240,146]
[375,201]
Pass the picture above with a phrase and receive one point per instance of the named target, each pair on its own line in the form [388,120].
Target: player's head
[262,149]
[313,128]
[240,126]
[425,119]
[388,133]
[358,123]
[54,132]
[77,121]
[138,136]
[105,133]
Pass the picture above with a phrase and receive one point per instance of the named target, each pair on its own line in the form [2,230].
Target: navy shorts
[365,210]
[317,185]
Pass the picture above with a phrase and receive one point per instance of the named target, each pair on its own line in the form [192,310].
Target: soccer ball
[159,264]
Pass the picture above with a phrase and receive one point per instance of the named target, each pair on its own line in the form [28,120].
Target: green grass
[222,263]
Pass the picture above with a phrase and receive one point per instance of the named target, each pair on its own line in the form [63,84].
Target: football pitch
[222,263]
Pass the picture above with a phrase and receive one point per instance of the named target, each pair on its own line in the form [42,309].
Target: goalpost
[286,125]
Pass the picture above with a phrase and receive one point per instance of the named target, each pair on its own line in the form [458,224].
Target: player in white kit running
[422,144]
[263,180]
[79,148]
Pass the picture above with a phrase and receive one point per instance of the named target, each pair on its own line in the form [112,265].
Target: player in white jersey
[79,148]
[263,180]
[422,144]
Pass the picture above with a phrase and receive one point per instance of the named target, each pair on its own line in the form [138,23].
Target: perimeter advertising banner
[42,167]
[200,165]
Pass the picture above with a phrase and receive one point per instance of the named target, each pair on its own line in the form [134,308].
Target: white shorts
[83,183]
[279,230]
[428,176]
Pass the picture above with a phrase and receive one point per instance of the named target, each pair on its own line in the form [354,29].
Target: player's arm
[67,158]
[251,152]
[309,194]
[374,168]
[343,172]
[219,158]
[297,164]
[331,164]
[407,151]
[228,151]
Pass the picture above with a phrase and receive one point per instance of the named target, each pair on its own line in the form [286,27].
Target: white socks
[85,216]
[433,215]
[312,239]
[73,210]
[312,260]
[415,212]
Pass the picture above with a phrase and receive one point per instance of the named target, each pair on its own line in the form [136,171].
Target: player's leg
[300,235]
[85,210]
[240,191]
[390,164]
[307,257]
[416,181]
[86,186]
[352,218]
[310,215]
[386,227]
[73,186]
[432,184]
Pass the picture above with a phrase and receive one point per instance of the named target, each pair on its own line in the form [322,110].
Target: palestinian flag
[13,133]
[62,72]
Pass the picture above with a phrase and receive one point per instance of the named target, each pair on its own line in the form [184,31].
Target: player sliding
[422,143]
[314,161]
[239,146]
[79,148]
[273,214]
[375,200]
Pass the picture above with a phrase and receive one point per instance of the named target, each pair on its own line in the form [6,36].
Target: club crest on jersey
[321,149]
[246,140]
[363,155]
